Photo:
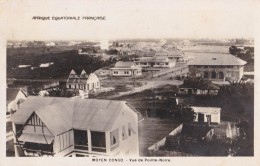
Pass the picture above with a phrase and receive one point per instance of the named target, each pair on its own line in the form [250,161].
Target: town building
[195,86]
[157,62]
[83,81]
[55,126]
[209,115]
[220,67]
[14,97]
[128,69]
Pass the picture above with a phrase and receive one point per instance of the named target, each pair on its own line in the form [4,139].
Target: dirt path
[148,85]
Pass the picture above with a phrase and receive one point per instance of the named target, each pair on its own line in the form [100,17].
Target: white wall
[121,72]
[129,146]
[93,80]
[13,105]
[215,118]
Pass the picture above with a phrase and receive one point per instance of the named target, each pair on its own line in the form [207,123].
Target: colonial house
[195,86]
[207,114]
[177,55]
[55,126]
[158,62]
[14,97]
[219,67]
[83,81]
[128,69]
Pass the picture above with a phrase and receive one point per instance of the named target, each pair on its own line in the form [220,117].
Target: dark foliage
[63,63]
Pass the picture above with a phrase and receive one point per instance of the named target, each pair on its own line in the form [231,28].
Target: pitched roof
[217,59]
[125,65]
[62,114]
[74,78]
[11,94]
[121,64]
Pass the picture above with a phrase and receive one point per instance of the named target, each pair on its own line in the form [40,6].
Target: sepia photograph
[152,81]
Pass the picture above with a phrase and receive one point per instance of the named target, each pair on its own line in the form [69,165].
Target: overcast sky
[129,19]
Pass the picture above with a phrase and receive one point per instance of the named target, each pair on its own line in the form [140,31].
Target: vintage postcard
[129,82]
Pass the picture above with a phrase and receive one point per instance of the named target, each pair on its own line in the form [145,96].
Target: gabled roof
[125,65]
[217,59]
[11,94]
[74,78]
[83,75]
[72,72]
[62,114]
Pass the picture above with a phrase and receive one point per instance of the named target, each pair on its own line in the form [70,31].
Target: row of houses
[220,67]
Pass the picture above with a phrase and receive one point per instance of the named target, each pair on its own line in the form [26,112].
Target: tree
[233,50]
[184,114]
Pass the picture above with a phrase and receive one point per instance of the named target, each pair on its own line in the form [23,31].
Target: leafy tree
[184,114]
[234,50]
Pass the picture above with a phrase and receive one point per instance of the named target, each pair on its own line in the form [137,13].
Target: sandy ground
[148,85]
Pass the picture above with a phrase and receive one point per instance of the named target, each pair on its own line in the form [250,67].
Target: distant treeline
[63,63]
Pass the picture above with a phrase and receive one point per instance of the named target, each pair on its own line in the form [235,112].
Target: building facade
[207,114]
[82,127]
[220,67]
[128,69]
[156,62]
[83,81]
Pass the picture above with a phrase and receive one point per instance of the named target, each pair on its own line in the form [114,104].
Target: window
[81,139]
[98,141]
[36,148]
[213,74]
[114,139]
[221,75]
[130,129]
[115,72]
[166,63]
[124,135]
[126,72]
[206,67]
[206,74]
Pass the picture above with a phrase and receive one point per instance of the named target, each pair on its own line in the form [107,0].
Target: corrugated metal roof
[211,110]
[62,114]
[36,138]
[217,59]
